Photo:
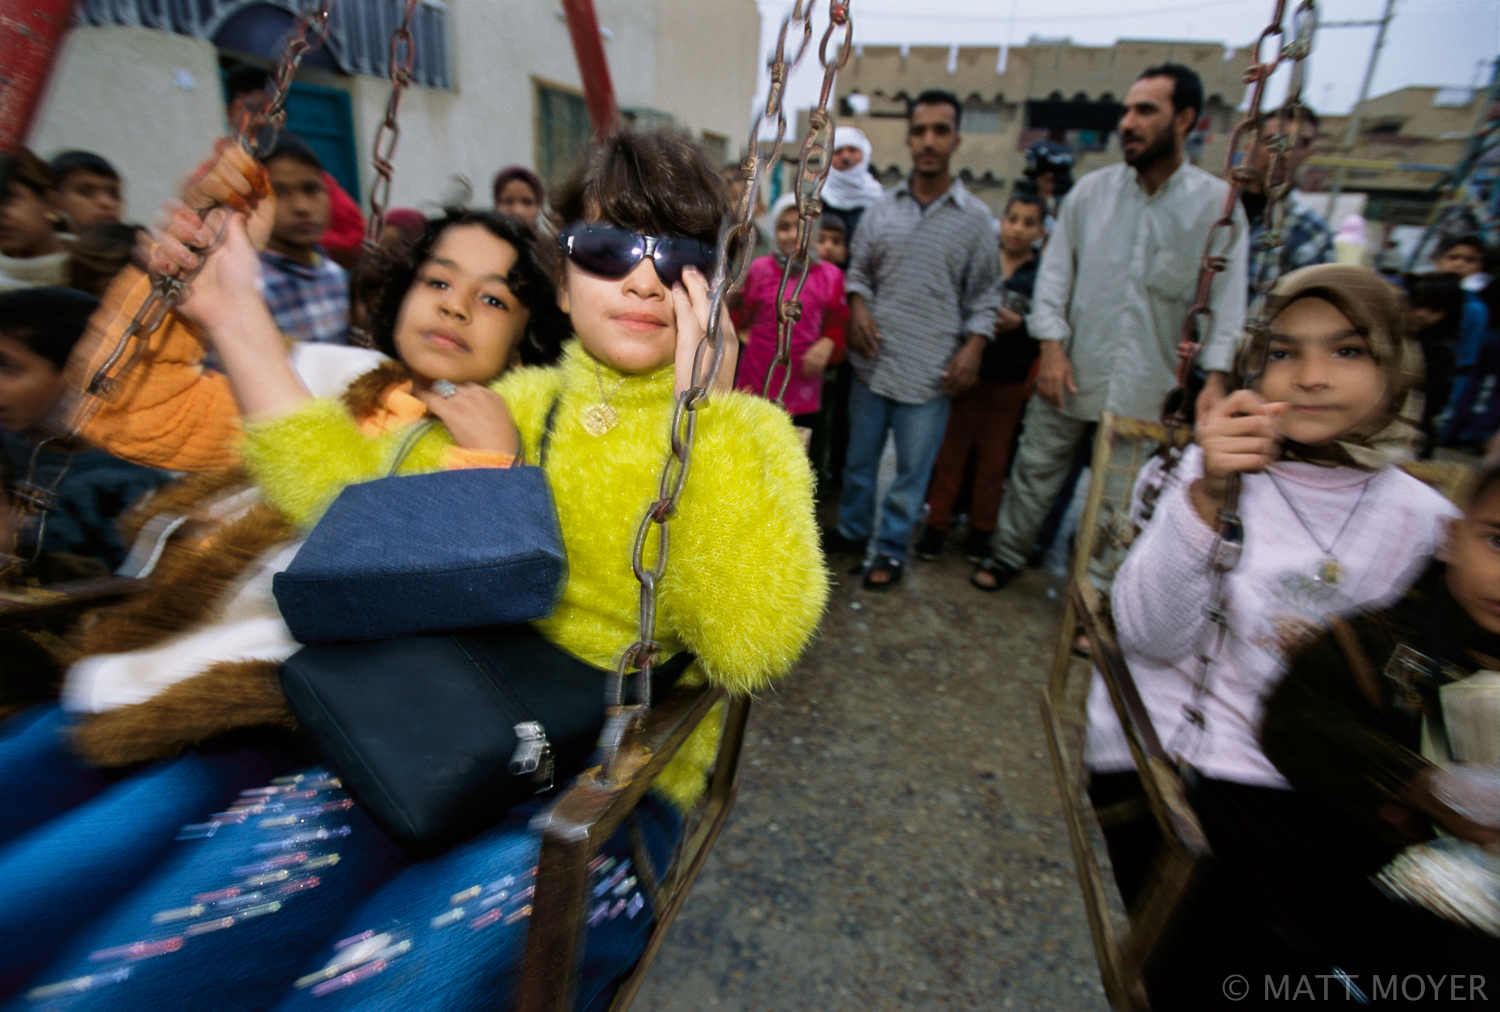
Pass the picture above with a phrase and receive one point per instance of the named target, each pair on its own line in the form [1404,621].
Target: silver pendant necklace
[1327,571]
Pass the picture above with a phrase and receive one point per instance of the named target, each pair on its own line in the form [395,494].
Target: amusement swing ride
[641,736]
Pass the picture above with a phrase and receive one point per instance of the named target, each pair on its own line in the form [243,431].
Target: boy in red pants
[984,419]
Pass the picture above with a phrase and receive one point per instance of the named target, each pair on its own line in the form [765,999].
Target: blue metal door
[324,118]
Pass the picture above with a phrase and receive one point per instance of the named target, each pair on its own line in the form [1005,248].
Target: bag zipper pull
[533,754]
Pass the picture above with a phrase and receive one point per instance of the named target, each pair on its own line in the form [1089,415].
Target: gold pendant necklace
[600,418]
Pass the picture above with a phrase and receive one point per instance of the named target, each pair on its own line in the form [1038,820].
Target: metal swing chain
[402,62]
[165,292]
[1229,533]
[812,173]
[643,655]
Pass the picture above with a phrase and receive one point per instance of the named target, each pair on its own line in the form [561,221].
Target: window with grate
[562,131]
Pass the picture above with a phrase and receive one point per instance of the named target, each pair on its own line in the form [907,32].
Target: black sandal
[883,564]
[1002,573]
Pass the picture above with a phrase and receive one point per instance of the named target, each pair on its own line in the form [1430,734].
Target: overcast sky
[1441,42]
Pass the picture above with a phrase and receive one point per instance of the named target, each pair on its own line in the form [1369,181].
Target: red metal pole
[31,34]
[593,66]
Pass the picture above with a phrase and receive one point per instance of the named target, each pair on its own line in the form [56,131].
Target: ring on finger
[444,389]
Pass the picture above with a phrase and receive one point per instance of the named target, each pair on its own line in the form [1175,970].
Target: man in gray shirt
[1117,278]
[922,301]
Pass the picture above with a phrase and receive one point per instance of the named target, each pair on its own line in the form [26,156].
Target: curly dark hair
[385,278]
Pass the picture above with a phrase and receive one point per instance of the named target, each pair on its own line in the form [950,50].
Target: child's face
[460,321]
[301,205]
[518,200]
[786,231]
[1473,557]
[831,246]
[1462,260]
[1021,228]
[1322,367]
[86,198]
[29,386]
[25,230]
[629,323]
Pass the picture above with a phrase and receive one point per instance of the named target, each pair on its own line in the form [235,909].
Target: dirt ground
[898,842]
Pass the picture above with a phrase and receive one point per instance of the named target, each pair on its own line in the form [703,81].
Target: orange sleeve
[460,459]
[168,411]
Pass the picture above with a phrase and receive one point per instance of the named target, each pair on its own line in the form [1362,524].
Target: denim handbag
[427,553]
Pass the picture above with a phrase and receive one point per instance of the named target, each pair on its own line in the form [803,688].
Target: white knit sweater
[1275,604]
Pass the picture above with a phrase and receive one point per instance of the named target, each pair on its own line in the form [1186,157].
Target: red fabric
[822,295]
[835,323]
[985,419]
[346,225]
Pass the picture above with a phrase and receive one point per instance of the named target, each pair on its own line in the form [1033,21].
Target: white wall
[148,101]
[116,92]
[695,59]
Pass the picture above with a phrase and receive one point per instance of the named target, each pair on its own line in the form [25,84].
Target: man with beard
[923,294]
[1118,276]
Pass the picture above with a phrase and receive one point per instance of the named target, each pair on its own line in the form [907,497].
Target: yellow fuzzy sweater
[745,584]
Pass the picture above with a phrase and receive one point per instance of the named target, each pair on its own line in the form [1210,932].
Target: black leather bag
[437,737]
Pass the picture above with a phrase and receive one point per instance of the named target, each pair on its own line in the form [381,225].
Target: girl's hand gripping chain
[1238,436]
[691,303]
[224,298]
[228,193]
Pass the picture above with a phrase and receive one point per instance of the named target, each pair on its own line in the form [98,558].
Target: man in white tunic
[1116,281]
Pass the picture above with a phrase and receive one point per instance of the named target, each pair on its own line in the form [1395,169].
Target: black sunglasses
[612,252]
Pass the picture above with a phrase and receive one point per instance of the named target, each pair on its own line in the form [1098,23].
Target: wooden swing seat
[577,824]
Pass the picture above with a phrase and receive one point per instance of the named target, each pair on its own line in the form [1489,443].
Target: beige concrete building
[497,84]
[1404,136]
[1047,89]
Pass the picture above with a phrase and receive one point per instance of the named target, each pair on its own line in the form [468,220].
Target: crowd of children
[554,332]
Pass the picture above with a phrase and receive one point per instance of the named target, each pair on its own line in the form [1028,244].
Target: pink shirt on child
[1274,602]
[821,296]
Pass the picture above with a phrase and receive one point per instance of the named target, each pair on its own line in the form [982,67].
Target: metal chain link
[1277,183]
[812,172]
[297,46]
[737,231]
[166,292]
[403,59]
[255,133]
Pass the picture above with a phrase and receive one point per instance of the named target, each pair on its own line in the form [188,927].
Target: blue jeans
[312,871]
[918,429]
[74,840]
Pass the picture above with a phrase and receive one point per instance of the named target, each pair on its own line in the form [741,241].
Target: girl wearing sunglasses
[744,592]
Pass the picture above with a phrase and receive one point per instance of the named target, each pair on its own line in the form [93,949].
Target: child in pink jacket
[816,337]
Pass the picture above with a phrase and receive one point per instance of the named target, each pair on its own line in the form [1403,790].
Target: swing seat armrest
[1158,773]
[575,826]
[61,600]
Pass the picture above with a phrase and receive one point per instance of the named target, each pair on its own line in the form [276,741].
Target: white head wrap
[856,188]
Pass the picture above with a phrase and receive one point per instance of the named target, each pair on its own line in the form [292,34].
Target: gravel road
[898,842]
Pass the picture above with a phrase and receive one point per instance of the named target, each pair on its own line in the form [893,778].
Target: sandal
[1081,645]
[883,564]
[1001,573]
